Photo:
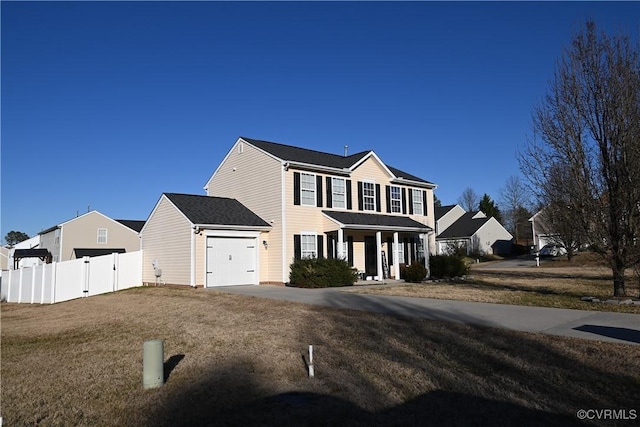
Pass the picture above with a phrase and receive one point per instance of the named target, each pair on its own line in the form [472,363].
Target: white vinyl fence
[63,281]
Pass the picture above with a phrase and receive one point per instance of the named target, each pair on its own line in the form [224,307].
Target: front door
[370,256]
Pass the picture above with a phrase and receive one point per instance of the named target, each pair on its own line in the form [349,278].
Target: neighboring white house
[541,231]
[31,243]
[471,230]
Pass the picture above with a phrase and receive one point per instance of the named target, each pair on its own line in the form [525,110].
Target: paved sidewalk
[595,325]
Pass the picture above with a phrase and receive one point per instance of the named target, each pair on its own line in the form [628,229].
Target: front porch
[378,245]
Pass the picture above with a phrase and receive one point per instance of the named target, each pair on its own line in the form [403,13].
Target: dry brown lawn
[555,284]
[239,361]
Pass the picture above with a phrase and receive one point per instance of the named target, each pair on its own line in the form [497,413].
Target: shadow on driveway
[624,334]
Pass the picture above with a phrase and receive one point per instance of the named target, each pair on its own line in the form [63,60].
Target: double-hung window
[418,205]
[56,237]
[338,193]
[308,246]
[307,189]
[369,196]
[396,199]
[102,235]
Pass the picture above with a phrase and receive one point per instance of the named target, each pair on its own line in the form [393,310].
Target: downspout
[192,279]
[283,221]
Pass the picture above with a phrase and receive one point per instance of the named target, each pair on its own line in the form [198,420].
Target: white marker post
[310,361]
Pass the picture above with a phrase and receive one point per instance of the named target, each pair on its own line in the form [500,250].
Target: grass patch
[239,360]
[549,286]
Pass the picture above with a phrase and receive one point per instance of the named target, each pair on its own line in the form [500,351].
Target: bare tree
[587,131]
[515,199]
[469,200]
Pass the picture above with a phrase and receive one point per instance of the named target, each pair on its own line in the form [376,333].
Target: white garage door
[231,261]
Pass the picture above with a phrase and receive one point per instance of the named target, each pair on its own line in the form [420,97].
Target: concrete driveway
[594,325]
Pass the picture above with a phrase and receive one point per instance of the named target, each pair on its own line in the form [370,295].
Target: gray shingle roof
[133,224]
[319,158]
[215,210]
[303,155]
[376,220]
[91,252]
[465,226]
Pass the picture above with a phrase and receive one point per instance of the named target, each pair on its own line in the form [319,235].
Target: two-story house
[268,204]
[320,204]
[91,234]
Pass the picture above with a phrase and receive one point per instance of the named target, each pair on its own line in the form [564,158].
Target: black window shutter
[404,200]
[359,195]
[297,247]
[329,197]
[319,191]
[410,202]
[350,250]
[349,204]
[296,188]
[378,207]
[390,249]
[388,193]
[320,247]
[424,203]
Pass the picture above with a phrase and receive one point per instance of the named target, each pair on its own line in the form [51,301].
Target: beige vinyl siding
[265,274]
[256,182]
[303,218]
[201,258]
[166,237]
[82,232]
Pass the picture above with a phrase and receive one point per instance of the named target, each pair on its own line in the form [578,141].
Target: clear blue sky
[109,104]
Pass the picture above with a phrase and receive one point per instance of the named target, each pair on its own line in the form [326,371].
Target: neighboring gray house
[471,230]
[91,234]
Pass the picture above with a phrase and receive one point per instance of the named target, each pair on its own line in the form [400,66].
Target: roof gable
[440,211]
[466,226]
[208,210]
[84,216]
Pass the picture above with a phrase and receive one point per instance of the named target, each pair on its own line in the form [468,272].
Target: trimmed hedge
[414,273]
[321,273]
[445,266]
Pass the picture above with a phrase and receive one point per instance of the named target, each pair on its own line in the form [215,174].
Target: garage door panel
[231,261]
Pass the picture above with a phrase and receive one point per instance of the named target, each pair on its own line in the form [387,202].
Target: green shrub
[321,273]
[444,266]
[415,273]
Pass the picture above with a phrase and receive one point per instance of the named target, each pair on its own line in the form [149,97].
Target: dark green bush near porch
[414,273]
[321,273]
[445,266]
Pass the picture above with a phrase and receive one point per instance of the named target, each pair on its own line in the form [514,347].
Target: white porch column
[379,254]
[340,251]
[396,255]
[425,249]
